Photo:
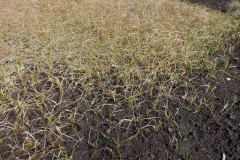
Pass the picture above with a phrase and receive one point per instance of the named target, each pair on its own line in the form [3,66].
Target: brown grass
[62,59]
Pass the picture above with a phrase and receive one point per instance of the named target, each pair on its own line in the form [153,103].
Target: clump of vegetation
[235,8]
[74,71]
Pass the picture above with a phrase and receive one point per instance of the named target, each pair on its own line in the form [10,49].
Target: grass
[235,8]
[75,65]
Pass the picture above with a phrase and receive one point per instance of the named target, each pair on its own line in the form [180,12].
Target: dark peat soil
[221,5]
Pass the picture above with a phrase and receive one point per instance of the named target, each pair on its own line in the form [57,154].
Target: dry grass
[62,60]
[235,8]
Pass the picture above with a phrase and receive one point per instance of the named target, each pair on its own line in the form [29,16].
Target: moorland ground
[125,79]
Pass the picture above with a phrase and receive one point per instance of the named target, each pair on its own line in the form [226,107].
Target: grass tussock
[68,63]
[235,8]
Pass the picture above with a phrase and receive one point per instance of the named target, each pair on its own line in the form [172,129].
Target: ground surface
[214,4]
[202,122]
[209,136]
[188,134]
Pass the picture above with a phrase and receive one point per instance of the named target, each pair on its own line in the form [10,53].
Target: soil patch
[208,132]
[221,5]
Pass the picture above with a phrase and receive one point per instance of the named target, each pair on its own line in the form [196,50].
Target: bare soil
[221,5]
[209,132]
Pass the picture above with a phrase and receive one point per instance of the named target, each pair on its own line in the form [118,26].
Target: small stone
[224,157]
[228,79]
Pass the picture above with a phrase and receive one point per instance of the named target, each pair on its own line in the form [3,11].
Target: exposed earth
[221,5]
[210,131]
